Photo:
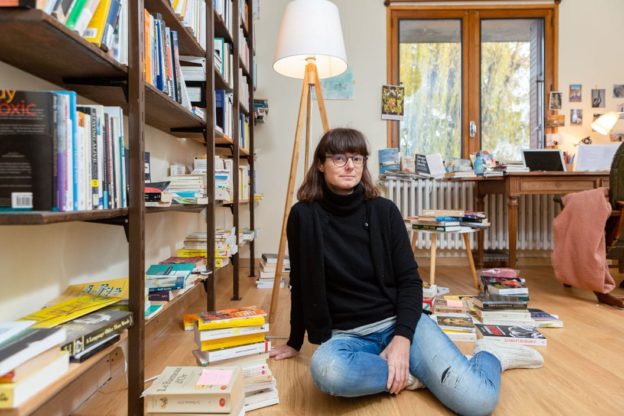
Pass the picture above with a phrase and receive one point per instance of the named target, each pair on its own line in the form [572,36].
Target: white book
[11,328]
[37,381]
[218,356]
[212,334]
[261,399]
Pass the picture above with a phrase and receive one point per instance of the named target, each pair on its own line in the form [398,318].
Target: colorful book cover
[170,270]
[525,335]
[68,310]
[28,155]
[232,317]
[93,328]
[389,160]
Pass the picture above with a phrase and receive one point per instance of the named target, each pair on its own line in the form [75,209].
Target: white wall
[364,31]
[590,54]
[588,31]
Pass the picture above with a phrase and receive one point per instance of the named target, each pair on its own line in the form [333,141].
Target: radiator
[535,212]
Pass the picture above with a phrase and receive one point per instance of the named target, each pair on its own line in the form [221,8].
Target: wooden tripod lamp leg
[281,253]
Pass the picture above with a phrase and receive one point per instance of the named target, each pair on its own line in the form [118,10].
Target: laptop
[550,160]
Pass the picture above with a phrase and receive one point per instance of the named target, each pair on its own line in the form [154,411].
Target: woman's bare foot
[609,299]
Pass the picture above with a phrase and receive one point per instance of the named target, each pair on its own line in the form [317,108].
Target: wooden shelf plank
[220,82]
[49,217]
[37,43]
[75,371]
[186,39]
[164,113]
[177,208]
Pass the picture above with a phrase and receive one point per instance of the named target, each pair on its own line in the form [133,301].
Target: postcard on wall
[576,116]
[555,120]
[576,93]
[555,100]
[339,87]
[618,91]
[392,100]
[598,98]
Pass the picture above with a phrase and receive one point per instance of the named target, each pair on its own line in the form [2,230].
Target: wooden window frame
[470,55]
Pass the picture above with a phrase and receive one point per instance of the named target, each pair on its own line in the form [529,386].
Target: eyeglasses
[341,160]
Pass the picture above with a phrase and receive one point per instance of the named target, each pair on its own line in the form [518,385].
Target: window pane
[430,70]
[511,86]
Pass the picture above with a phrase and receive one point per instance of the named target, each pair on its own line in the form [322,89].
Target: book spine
[518,341]
[234,341]
[83,342]
[241,351]
[109,28]
[230,323]
[200,403]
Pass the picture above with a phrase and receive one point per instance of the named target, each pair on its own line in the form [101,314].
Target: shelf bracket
[201,130]
[101,82]
[123,221]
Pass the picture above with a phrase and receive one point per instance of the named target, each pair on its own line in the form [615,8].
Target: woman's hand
[397,356]
[280,352]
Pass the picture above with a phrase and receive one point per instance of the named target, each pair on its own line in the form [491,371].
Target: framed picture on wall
[576,93]
[598,98]
[555,100]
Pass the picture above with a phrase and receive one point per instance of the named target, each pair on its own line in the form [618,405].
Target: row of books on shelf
[192,13]
[36,350]
[231,347]
[101,22]
[57,155]
[491,315]
[224,180]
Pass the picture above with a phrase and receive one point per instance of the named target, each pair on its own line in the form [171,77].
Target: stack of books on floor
[503,311]
[451,315]
[196,390]
[236,337]
[268,269]
[30,360]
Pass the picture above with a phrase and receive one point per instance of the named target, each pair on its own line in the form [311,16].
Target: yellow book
[95,28]
[70,309]
[231,318]
[184,252]
[217,344]
[118,288]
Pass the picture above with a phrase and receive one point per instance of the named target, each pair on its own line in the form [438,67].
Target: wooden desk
[513,185]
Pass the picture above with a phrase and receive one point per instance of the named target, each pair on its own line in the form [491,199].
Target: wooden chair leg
[473,270]
[434,247]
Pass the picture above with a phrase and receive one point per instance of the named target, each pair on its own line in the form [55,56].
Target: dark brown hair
[336,141]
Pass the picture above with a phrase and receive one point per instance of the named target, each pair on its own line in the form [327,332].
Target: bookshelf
[39,45]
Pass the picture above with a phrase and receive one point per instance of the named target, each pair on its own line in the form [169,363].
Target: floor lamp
[309,47]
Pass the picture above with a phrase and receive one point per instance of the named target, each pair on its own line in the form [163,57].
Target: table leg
[481,233]
[512,222]
[473,270]
[434,246]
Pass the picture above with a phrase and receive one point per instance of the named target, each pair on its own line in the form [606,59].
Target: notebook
[544,160]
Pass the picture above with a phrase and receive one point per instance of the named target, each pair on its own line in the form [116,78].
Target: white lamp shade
[606,122]
[310,29]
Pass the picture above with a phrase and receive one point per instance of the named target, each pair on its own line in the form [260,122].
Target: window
[475,78]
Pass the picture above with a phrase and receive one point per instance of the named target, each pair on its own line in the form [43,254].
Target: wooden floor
[583,373]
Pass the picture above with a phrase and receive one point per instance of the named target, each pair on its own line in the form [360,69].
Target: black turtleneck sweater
[353,293]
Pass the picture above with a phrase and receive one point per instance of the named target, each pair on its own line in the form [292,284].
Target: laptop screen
[544,160]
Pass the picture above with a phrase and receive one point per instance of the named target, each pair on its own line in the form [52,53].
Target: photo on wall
[555,100]
[576,93]
[598,98]
[555,120]
[392,100]
[618,91]
[576,116]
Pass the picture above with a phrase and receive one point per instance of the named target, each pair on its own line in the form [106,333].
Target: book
[487,301]
[156,271]
[506,287]
[525,335]
[443,212]
[229,332]
[14,394]
[10,329]
[217,344]
[456,322]
[90,329]
[29,367]
[389,160]
[195,389]
[260,399]
[28,150]
[232,317]
[440,228]
[95,348]
[503,272]
[271,258]
[28,344]
[544,319]
[429,165]
[233,352]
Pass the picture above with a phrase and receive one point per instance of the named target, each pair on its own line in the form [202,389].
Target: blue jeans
[350,366]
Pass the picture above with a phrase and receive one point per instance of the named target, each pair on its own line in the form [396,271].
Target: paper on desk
[590,157]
